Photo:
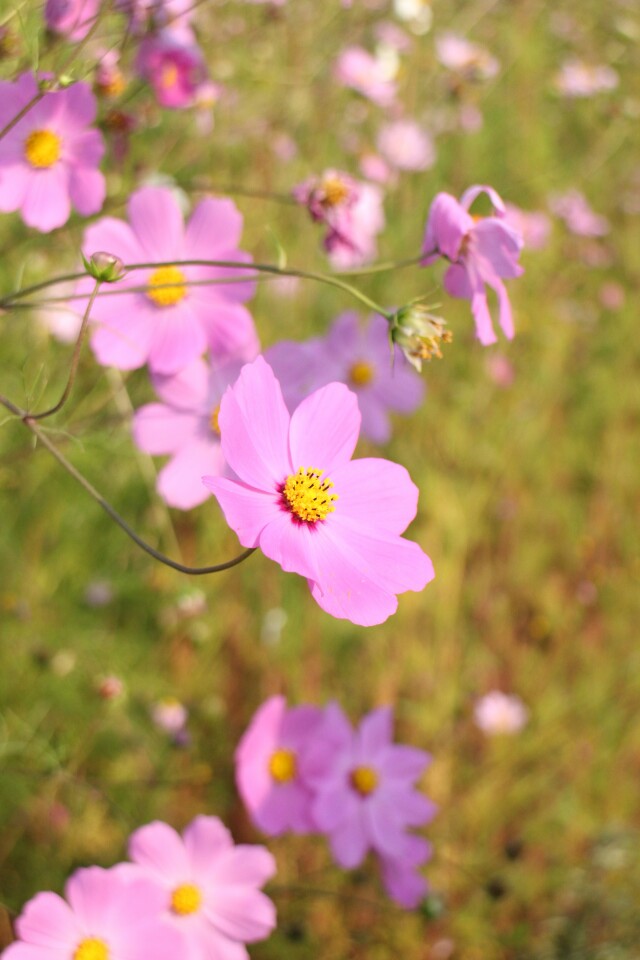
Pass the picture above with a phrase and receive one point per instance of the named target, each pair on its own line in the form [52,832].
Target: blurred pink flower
[107,915]
[185,425]
[358,356]
[573,207]
[355,67]
[209,886]
[71,18]
[534,226]
[612,295]
[375,168]
[308,506]
[499,712]
[401,877]
[365,796]
[49,159]
[169,715]
[460,55]
[169,324]
[482,250]
[351,210]
[175,70]
[268,763]
[406,145]
[500,369]
[578,79]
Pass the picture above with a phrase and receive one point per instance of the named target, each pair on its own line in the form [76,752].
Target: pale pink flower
[499,712]
[500,369]
[269,758]
[405,145]
[175,70]
[579,217]
[210,887]
[169,715]
[71,18]
[365,795]
[362,71]
[458,54]
[359,356]
[49,159]
[578,79]
[107,915]
[168,324]
[533,225]
[308,506]
[375,168]
[482,250]
[612,295]
[185,425]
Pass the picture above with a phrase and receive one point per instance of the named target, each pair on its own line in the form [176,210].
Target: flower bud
[105,267]
[419,333]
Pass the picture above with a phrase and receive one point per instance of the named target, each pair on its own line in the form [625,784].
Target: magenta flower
[308,506]
[361,358]
[365,798]
[481,250]
[49,159]
[360,70]
[185,425]
[269,759]
[108,915]
[71,18]
[175,70]
[169,324]
[210,887]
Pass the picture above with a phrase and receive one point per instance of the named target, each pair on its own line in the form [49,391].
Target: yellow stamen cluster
[334,191]
[168,75]
[42,149]
[306,494]
[213,420]
[91,949]
[186,899]
[361,373]
[166,286]
[364,780]
[283,766]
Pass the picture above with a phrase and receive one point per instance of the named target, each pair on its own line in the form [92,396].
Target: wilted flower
[419,333]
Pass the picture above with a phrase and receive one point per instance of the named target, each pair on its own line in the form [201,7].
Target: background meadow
[526,455]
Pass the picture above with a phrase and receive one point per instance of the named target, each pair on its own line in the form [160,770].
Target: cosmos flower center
[42,149]
[334,191]
[186,899]
[364,780]
[213,420]
[361,373]
[91,949]
[283,766]
[166,286]
[169,75]
[306,494]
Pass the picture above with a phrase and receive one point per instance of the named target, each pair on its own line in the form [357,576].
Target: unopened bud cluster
[419,333]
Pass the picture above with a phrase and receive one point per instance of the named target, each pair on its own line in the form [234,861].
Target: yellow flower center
[186,899]
[213,420]
[42,148]
[166,286]
[334,190]
[168,75]
[307,496]
[361,373]
[91,949]
[282,766]
[364,780]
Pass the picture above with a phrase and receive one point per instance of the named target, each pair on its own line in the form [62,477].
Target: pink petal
[505,315]
[160,850]
[231,332]
[376,730]
[392,562]
[79,106]
[290,544]
[242,865]
[372,487]
[125,348]
[178,338]
[212,945]
[158,429]
[29,951]
[214,225]
[180,481]
[333,808]
[47,921]
[14,182]
[254,427]
[405,763]
[85,149]
[349,843]
[471,193]
[447,225]
[187,389]
[87,189]
[157,221]
[498,245]
[241,913]
[324,429]
[46,203]
[91,892]
[237,290]
[113,236]
[205,840]
[246,510]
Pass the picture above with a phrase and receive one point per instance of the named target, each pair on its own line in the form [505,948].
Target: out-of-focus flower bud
[105,267]
[419,333]
[110,688]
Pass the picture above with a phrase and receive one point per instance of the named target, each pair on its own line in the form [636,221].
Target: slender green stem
[22,113]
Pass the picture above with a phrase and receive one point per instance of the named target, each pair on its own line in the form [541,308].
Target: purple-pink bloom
[359,356]
[401,876]
[175,69]
[169,324]
[49,159]
[210,886]
[578,215]
[482,251]
[360,70]
[579,79]
[365,795]
[185,425]
[269,759]
[458,54]
[72,18]
[107,915]
[301,499]
[406,145]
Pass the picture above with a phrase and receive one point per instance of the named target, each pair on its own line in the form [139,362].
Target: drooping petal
[447,224]
[497,245]
[324,429]
[505,316]
[471,193]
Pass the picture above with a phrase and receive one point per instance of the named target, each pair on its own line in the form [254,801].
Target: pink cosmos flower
[352,211]
[578,215]
[481,250]
[499,712]
[176,70]
[185,425]
[49,159]
[579,79]
[107,915]
[209,886]
[169,715]
[72,18]
[360,70]
[365,798]
[269,759]
[308,506]
[170,324]
[533,225]
[358,356]
[406,145]
[460,55]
